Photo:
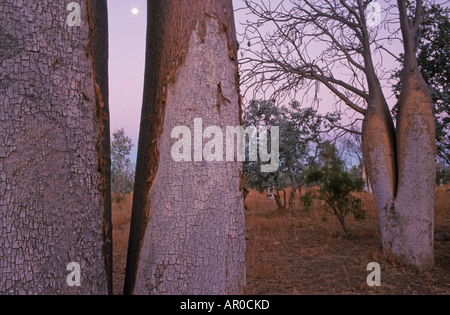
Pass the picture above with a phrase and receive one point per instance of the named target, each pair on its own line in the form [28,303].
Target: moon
[135,11]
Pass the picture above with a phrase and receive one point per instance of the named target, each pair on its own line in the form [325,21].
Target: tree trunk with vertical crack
[54,203]
[187,232]
[401,163]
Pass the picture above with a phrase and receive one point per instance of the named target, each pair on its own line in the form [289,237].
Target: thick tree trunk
[188,235]
[379,148]
[54,203]
[100,53]
[411,222]
[401,164]
[403,177]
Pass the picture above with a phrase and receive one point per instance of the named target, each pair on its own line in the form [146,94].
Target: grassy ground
[121,215]
[299,252]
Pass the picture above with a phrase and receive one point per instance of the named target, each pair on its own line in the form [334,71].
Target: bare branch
[344,98]
[293,45]
[418,15]
[390,53]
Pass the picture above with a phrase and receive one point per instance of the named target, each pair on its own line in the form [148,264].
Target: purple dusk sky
[127,34]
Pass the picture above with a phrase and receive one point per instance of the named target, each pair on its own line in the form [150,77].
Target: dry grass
[299,253]
[121,214]
[442,208]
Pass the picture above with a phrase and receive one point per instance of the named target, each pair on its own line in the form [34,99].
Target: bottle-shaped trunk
[412,224]
[379,149]
[401,164]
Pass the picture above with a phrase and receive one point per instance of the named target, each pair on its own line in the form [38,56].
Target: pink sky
[126,65]
[127,32]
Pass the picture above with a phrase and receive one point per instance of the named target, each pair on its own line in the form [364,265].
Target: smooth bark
[401,163]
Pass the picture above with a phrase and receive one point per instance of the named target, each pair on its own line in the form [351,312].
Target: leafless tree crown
[291,46]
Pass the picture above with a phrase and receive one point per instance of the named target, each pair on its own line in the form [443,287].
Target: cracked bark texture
[188,231]
[53,194]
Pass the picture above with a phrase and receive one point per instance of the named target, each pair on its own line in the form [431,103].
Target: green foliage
[336,188]
[356,172]
[443,174]
[299,130]
[122,169]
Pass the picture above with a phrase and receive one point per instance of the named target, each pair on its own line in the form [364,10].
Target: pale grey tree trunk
[194,242]
[411,218]
[410,222]
[402,164]
[53,174]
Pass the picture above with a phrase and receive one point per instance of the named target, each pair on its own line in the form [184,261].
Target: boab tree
[54,135]
[340,44]
[434,64]
[187,231]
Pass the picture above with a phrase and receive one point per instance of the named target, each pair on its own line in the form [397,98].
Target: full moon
[135,11]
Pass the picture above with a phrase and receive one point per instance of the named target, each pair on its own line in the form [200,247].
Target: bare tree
[54,147]
[333,43]
[187,231]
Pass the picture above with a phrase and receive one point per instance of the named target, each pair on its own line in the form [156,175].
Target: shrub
[336,188]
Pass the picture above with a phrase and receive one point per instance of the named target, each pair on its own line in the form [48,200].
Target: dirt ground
[298,252]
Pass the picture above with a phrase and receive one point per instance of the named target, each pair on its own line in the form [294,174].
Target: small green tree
[335,187]
[443,173]
[299,132]
[122,169]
